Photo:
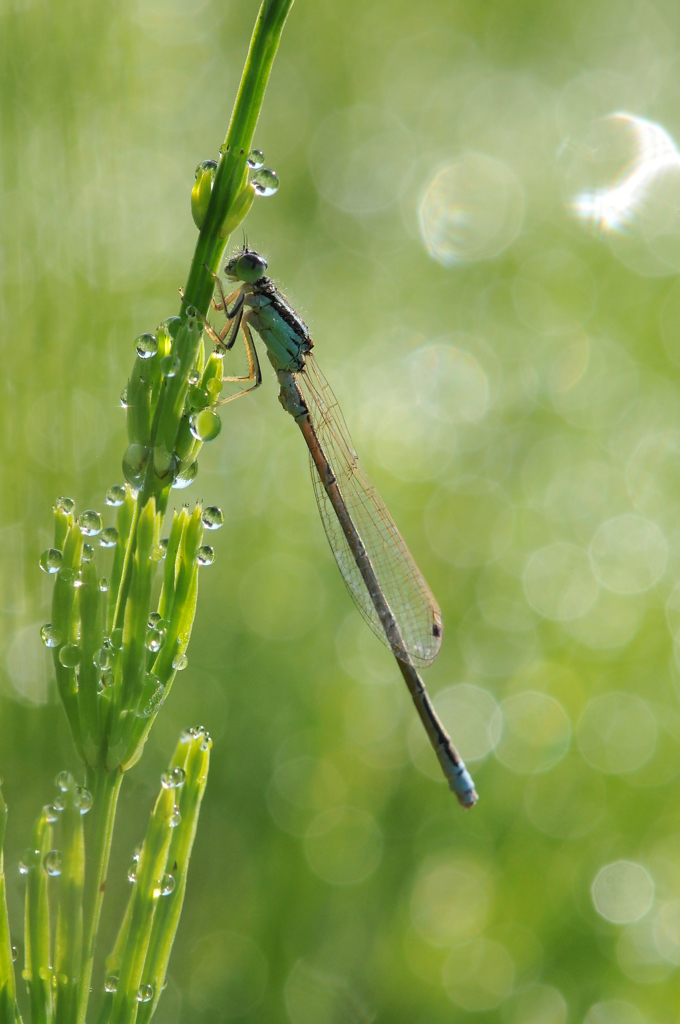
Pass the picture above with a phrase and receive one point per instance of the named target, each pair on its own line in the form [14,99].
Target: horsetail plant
[115,653]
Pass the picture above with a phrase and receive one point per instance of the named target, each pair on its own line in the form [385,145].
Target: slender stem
[232,169]
[105,787]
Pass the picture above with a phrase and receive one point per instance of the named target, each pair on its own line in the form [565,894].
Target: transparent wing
[411,600]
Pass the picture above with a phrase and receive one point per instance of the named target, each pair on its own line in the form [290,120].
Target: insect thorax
[266,287]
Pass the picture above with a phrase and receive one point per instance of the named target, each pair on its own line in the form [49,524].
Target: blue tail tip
[462,785]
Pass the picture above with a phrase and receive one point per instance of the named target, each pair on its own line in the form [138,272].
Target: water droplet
[255,159]
[180,662]
[111,983]
[265,182]
[103,584]
[167,885]
[124,398]
[83,799]
[175,817]
[205,425]
[63,781]
[50,635]
[187,735]
[15,954]
[29,859]
[146,345]
[87,554]
[213,517]
[163,546]
[153,620]
[206,742]
[206,166]
[90,523]
[103,658]
[186,477]
[197,398]
[220,350]
[51,813]
[59,804]
[132,872]
[153,696]
[135,463]
[194,376]
[109,537]
[52,863]
[170,365]
[205,555]
[214,386]
[69,655]
[174,778]
[77,580]
[153,640]
[50,560]
[67,576]
[117,639]
[66,505]
[145,993]
[115,495]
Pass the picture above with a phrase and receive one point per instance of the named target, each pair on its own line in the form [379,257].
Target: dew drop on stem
[50,560]
[52,863]
[50,635]
[265,182]
[170,364]
[66,505]
[146,346]
[63,781]
[145,993]
[90,523]
[205,555]
[115,495]
[83,799]
[213,517]
[69,655]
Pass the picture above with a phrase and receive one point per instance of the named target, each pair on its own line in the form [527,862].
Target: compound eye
[251,266]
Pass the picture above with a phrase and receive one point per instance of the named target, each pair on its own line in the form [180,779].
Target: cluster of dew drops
[173,778]
[51,862]
[91,525]
[264,180]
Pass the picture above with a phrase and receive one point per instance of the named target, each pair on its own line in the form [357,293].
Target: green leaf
[192,755]
[91,639]
[144,901]
[7,980]
[65,619]
[38,970]
[69,938]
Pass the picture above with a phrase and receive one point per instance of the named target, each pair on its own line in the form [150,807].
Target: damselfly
[380,573]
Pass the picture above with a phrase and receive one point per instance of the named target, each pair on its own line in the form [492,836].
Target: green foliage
[115,656]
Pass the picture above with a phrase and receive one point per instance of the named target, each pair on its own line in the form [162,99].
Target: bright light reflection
[614,208]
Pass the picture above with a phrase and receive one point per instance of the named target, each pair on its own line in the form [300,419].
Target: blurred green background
[487,260]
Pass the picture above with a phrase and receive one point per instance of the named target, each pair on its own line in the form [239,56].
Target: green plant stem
[105,787]
[231,171]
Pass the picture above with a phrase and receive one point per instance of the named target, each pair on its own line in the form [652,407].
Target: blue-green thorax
[270,314]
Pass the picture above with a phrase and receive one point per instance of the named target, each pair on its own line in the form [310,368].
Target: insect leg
[222,307]
[254,371]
